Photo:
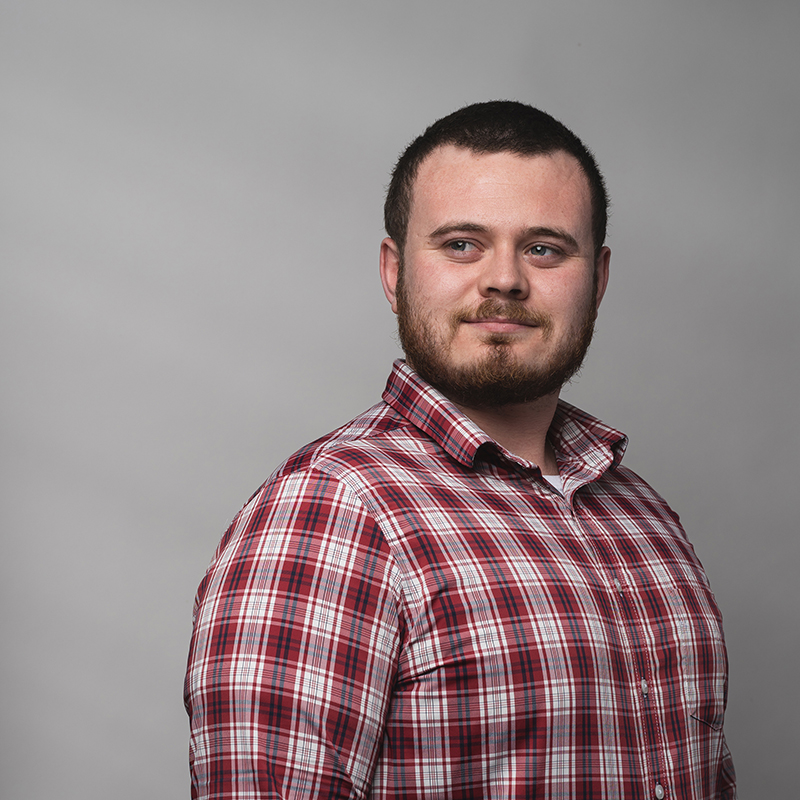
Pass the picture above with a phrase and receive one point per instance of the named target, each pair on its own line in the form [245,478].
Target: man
[462,593]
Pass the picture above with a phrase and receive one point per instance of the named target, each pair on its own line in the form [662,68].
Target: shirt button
[618,585]
[660,793]
[645,690]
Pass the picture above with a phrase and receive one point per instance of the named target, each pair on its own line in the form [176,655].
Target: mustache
[511,310]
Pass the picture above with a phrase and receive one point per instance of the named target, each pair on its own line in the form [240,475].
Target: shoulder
[330,482]
[376,447]
[624,495]
[375,434]
[315,503]
[626,482]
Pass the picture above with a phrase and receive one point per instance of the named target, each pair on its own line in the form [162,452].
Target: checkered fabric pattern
[407,610]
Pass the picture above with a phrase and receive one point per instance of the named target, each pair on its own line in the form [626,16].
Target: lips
[494,316]
[509,321]
[500,325]
[492,311]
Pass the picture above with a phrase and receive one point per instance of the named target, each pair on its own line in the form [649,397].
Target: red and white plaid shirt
[407,610]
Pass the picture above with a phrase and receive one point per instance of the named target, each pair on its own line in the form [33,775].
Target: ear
[390,269]
[601,265]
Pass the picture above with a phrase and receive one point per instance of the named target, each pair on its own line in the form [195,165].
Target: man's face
[498,287]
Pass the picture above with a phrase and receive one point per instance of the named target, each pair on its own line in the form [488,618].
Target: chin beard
[498,378]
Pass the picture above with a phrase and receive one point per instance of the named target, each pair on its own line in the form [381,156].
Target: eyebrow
[535,231]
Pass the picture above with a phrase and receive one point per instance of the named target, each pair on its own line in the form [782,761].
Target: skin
[504,227]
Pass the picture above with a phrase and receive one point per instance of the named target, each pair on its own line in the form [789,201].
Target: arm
[727,777]
[294,650]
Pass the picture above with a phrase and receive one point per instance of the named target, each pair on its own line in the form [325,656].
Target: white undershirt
[555,481]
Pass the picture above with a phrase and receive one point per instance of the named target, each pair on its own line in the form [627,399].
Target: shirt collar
[431,412]
[583,443]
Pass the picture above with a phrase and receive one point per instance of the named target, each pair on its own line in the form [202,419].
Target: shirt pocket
[705,671]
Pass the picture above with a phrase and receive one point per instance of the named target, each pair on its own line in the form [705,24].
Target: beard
[498,377]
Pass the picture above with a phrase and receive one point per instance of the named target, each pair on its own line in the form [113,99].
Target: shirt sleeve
[727,788]
[294,650]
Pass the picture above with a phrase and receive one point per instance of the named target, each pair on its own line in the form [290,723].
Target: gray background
[191,212]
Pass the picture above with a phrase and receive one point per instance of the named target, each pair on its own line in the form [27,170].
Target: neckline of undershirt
[555,481]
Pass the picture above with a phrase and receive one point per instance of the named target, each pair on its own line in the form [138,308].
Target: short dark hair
[494,127]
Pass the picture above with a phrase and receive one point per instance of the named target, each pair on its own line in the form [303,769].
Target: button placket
[630,617]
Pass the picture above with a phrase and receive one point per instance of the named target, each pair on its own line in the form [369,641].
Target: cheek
[570,300]
[436,290]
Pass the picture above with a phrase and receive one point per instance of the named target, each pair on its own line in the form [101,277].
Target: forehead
[454,183]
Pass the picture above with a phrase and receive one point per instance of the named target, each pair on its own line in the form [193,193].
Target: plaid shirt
[407,610]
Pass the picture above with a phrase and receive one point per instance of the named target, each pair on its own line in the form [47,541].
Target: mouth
[500,324]
[494,318]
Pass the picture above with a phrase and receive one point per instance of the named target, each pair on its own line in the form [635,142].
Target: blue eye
[461,245]
[542,250]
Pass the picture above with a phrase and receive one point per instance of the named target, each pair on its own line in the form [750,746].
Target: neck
[521,429]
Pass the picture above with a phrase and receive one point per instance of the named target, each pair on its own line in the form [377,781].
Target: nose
[504,274]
